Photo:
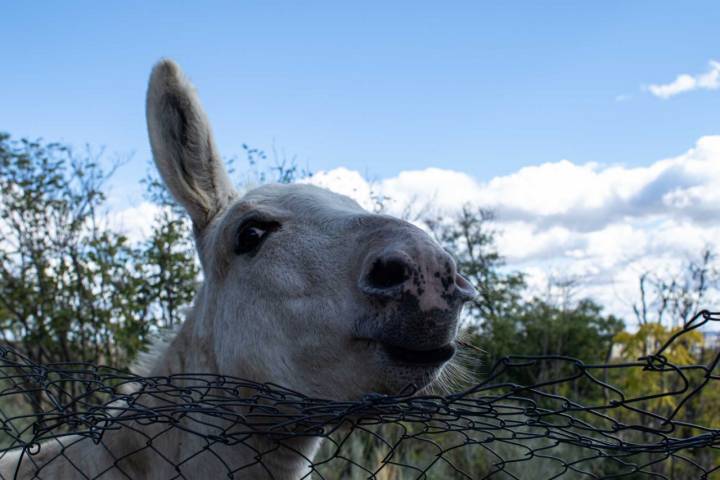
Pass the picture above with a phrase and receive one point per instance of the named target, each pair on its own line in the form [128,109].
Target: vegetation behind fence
[582,421]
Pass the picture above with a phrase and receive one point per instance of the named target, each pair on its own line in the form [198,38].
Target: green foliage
[171,265]
[541,328]
[71,288]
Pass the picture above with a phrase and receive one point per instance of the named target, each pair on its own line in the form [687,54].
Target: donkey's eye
[251,235]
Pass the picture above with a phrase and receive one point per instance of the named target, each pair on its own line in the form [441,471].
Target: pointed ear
[183,146]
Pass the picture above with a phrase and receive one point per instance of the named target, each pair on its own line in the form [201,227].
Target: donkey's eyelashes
[252,234]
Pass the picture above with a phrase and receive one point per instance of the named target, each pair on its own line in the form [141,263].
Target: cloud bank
[709,80]
[601,225]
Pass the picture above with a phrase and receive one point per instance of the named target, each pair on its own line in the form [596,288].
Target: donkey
[302,288]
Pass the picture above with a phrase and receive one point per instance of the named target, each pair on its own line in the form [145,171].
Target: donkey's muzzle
[431,278]
[431,357]
[415,296]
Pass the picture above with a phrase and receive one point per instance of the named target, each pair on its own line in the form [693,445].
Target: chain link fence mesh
[571,420]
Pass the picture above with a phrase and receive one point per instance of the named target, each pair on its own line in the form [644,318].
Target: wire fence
[575,420]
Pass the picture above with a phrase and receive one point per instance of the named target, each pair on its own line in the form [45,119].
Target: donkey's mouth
[432,357]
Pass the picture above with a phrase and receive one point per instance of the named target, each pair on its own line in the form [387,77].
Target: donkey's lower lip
[408,356]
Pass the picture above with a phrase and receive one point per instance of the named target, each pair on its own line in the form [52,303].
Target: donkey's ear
[183,146]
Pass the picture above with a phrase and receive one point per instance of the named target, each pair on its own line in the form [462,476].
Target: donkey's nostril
[387,273]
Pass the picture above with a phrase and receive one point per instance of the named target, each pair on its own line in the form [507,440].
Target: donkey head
[302,287]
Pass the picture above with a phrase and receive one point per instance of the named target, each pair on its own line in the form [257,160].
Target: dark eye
[251,234]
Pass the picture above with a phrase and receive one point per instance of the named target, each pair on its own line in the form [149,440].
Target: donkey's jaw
[433,357]
[397,368]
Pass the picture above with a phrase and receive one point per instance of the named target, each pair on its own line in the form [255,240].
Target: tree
[70,287]
[541,328]
[472,240]
[677,296]
[170,265]
[503,323]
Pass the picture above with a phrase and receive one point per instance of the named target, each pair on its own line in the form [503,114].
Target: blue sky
[550,113]
[379,87]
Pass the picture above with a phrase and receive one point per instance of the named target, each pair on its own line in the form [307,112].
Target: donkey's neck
[182,351]
[190,350]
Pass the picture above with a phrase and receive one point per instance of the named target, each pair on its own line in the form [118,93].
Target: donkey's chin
[426,358]
[406,368]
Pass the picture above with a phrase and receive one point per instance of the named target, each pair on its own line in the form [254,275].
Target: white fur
[292,313]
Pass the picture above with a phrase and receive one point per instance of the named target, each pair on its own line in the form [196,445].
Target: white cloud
[134,222]
[346,182]
[709,80]
[602,225]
